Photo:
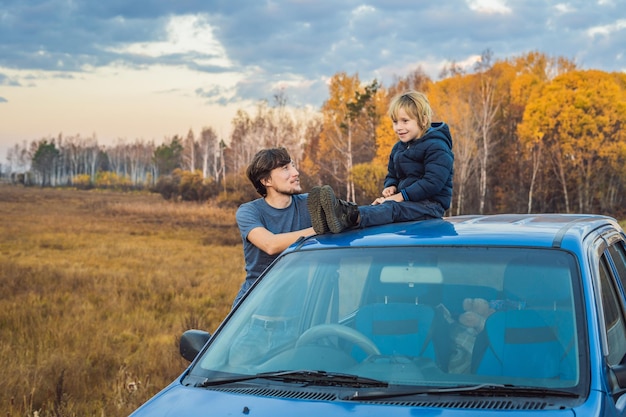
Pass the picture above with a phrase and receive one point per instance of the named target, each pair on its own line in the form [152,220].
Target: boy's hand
[389,191]
[395,197]
[379,200]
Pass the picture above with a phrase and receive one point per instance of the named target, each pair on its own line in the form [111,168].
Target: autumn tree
[578,117]
[348,132]
[168,157]
[532,71]
[385,139]
[210,155]
[190,152]
[243,144]
[283,128]
[449,99]
[44,161]
[272,125]
[18,159]
[368,179]
[141,167]
[485,103]
[309,167]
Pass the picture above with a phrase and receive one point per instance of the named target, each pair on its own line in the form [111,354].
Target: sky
[121,70]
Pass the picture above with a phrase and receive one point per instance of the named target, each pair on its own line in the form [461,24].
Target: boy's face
[284,180]
[405,127]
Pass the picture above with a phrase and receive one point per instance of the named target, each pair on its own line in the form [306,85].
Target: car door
[613,307]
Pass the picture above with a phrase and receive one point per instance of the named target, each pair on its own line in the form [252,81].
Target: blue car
[462,316]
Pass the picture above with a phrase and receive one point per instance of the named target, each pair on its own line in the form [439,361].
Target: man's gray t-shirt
[258,213]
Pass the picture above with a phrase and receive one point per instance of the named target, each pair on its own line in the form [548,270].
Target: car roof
[536,230]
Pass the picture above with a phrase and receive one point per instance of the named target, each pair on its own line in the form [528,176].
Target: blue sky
[151,69]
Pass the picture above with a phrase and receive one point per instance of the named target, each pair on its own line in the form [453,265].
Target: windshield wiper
[303,376]
[491,390]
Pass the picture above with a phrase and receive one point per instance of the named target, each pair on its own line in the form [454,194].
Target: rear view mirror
[192,342]
[411,274]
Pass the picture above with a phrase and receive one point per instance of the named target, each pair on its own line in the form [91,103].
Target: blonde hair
[416,106]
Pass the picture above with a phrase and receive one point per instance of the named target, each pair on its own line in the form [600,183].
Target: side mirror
[192,342]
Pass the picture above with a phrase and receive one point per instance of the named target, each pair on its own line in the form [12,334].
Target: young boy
[418,184]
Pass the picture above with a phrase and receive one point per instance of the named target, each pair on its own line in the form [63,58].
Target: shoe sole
[318,220]
[328,202]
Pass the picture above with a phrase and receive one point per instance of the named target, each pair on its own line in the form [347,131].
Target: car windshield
[431,317]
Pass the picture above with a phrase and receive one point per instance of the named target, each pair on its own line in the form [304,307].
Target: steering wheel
[343,332]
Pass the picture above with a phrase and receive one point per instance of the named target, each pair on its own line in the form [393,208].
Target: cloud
[489,6]
[608,29]
[3,100]
[239,52]
[188,38]
[8,81]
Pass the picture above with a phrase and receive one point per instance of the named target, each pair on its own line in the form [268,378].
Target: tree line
[532,133]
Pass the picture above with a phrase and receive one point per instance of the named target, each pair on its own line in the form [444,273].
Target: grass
[96,288]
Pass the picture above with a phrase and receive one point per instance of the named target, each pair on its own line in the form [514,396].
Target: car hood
[178,400]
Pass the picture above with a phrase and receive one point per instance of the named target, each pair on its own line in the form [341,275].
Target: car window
[619,259]
[613,318]
[435,316]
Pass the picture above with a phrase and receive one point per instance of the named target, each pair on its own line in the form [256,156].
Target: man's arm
[275,243]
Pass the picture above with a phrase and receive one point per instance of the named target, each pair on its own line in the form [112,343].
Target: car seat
[397,328]
[538,339]
[521,344]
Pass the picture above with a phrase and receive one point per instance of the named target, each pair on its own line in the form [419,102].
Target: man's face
[284,180]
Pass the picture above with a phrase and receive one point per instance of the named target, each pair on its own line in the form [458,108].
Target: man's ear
[266,181]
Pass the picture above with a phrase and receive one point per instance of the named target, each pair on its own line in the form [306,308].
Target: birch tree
[209,154]
[486,105]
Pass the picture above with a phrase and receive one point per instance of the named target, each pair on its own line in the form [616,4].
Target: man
[270,224]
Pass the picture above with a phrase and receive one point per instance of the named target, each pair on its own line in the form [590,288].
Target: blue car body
[462,316]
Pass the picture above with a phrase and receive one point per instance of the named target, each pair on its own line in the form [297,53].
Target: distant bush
[236,191]
[113,181]
[186,186]
[230,199]
[82,182]
[193,187]
[166,187]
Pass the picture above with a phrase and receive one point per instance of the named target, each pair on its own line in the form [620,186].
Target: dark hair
[262,165]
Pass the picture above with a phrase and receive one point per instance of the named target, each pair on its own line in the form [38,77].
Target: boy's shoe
[340,214]
[315,210]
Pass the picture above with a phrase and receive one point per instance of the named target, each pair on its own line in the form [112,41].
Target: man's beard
[291,190]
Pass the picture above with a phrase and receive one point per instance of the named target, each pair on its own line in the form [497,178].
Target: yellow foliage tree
[369,179]
[385,139]
[449,100]
[578,118]
[348,129]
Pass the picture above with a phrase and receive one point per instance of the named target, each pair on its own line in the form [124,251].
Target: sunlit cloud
[563,8]
[189,35]
[607,30]
[489,6]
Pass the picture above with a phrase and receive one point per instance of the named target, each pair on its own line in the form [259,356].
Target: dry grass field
[96,288]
